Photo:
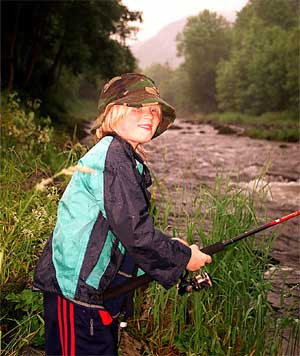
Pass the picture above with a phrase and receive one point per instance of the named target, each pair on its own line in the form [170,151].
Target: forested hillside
[250,67]
[161,48]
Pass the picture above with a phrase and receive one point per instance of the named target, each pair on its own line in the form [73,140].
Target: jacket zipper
[92,327]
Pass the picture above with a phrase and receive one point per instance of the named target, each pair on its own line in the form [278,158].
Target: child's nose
[148,112]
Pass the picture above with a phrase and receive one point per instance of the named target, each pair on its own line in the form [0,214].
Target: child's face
[139,125]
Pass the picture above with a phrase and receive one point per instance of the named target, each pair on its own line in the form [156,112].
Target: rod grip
[214,248]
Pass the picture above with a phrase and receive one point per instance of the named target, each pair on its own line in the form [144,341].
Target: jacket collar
[128,148]
[135,157]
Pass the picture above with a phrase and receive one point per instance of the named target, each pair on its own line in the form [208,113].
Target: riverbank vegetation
[233,317]
[32,152]
[276,126]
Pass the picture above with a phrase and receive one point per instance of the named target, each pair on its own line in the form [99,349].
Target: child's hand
[198,259]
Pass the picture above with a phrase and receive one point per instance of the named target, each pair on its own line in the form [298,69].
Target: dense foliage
[32,153]
[173,85]
[45,41]
[260,74]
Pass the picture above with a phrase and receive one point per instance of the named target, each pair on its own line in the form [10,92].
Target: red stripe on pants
[60,325]
[65,327]
[72,331]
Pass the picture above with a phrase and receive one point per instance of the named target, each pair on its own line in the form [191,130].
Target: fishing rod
[201,280]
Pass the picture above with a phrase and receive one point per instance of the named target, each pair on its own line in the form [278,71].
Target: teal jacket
[103,217]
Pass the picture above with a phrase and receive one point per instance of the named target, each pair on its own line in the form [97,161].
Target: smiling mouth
[146,127]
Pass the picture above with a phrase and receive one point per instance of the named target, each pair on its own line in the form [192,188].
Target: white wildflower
[44,182]
[39,213]
[28,233]
[70,170]
[15,217]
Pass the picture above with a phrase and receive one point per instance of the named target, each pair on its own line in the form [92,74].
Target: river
[192,153]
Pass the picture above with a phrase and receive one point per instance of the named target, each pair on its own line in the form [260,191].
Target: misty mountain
[161,48]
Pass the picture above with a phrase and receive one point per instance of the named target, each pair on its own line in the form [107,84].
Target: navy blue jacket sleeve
[126,208]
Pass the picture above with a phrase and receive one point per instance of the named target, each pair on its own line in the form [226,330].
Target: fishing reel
[196,283]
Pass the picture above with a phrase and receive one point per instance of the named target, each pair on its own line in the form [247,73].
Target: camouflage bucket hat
[135,90]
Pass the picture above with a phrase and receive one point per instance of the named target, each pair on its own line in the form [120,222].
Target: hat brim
[133,99]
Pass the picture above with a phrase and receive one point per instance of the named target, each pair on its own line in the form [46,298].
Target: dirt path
[191,154]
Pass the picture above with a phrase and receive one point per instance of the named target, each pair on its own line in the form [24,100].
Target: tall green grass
[234,316]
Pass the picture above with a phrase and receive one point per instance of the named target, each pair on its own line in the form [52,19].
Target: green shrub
[32,152]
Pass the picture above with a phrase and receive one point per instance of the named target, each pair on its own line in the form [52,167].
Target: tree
[204,41]
[41,38]
[292,66]
[261,73]
[173,86]
[162,76]
[282,13]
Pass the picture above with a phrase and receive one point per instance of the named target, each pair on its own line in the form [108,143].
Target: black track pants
[75,330]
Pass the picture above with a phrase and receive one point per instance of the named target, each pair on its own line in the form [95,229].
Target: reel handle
[198,282]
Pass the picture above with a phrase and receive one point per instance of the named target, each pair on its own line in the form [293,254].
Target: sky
[158,13]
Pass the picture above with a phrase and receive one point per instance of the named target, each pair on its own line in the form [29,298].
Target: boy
[104,234]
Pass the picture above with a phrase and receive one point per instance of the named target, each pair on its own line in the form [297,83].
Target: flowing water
[192,154]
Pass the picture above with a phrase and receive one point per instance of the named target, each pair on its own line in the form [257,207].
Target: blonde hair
[110,118]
